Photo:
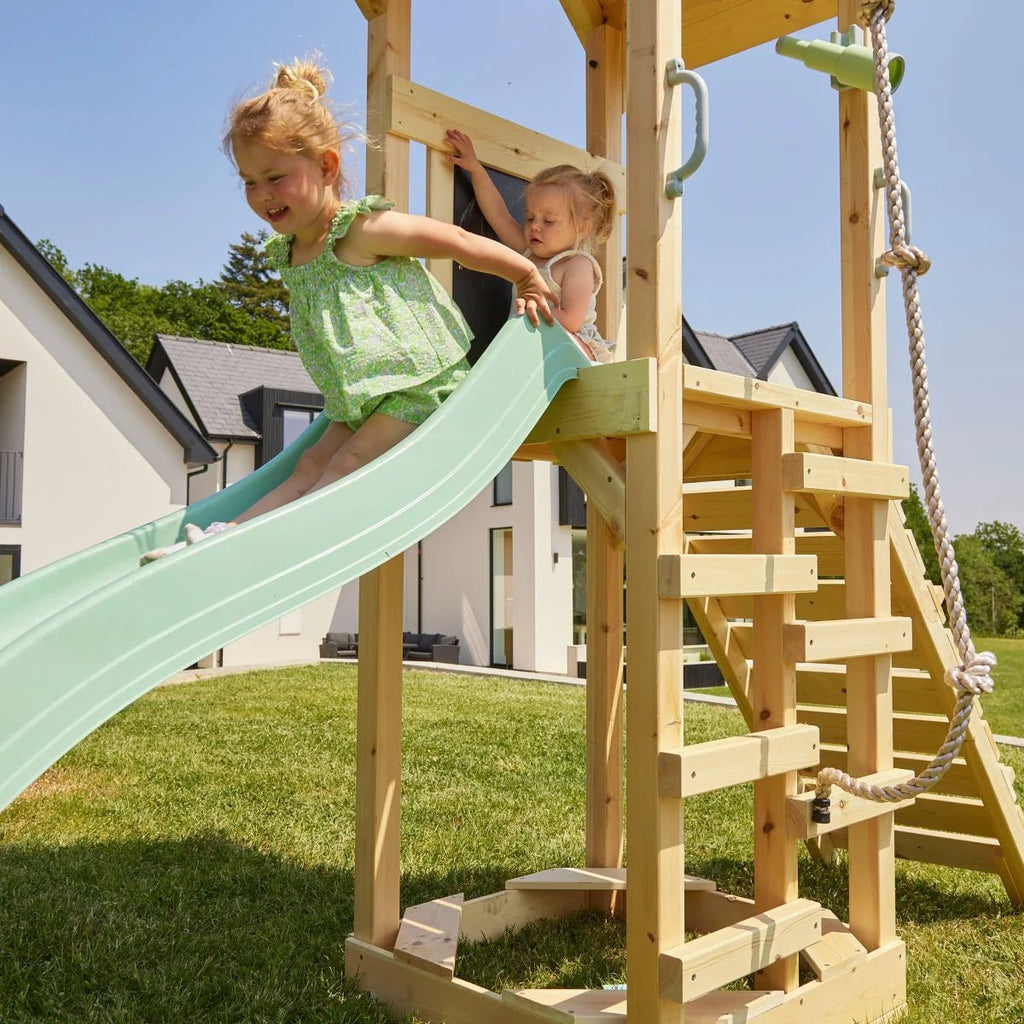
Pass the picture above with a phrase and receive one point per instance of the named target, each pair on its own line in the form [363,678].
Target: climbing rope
[973,675]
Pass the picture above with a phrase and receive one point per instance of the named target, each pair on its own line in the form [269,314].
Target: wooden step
[845,809]
[932,846]
[711,961]
[598,1006]
[692,575]
[428,935]
[703,767]
[913,691]
[809,473]
[591,880]
[837,951]
[845,638]
[727,507]
[958,780]
[826,547]
[920,734]
[827,602]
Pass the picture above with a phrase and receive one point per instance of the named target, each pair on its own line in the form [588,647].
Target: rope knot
[867,8]
[907,256]
[974,675]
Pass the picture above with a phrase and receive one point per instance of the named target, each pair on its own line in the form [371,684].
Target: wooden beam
[825,547]
[826,474]
[847,638]
[613,399]
[372,8]
[726,507]
[711,961]
[592,880]
[440,206]
[685,576]
[846,809]
[827,602]
[418,114]
[603,479]
[487,917]
[703,767]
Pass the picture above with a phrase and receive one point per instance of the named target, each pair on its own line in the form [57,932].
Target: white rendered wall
[97,462]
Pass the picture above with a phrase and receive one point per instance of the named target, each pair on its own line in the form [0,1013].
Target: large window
[294,422]
[10,563]
[503,486]
[502,598]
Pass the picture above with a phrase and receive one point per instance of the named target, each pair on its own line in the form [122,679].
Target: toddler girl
[567,213]
[378,335]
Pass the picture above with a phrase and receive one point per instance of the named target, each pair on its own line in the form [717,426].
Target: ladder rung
[845,809]
[846,638]
[829,474]
[711,961]
[428,935]
[730,762]
[692,575]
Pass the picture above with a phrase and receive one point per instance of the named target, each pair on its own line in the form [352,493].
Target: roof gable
[84,320]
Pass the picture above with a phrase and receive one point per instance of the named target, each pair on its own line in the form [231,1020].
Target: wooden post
[866,542]
[774,680]
[605,86]
[379,718]
[654,828]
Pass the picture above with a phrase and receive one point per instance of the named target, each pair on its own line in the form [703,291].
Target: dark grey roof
[63,296]
[754,353]
[213,376]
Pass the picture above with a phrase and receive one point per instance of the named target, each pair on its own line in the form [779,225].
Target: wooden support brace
[593,466]
[704,767]
[592,880]
[686,576]
[706,963]
[846,809]
[610,400]
[428,935]
[826,474]
[846,638]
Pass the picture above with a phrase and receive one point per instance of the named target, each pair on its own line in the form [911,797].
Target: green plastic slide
[82,638]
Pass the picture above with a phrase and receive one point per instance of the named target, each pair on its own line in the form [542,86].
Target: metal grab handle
[676,74]
[878,180]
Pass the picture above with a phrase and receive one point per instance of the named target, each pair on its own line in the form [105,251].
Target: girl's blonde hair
[591,198]
[292,116]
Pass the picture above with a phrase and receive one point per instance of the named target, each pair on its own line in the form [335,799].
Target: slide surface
[82,638]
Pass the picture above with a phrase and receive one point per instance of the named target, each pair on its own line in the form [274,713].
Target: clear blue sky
[110,141]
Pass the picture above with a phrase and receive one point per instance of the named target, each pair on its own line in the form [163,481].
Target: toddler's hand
[533,296]
[464,155]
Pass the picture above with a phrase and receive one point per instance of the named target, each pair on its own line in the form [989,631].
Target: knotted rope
[973,675]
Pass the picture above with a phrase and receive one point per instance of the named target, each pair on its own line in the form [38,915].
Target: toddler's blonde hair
[292,116]
[591,198]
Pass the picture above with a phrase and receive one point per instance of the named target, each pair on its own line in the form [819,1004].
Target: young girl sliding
[567,213]
[378,335]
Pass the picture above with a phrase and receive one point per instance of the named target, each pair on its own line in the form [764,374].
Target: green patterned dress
[385,338]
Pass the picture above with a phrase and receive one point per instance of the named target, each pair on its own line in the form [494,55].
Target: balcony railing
[10,487]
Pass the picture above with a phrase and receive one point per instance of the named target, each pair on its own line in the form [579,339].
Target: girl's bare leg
[311,466]
[372,439]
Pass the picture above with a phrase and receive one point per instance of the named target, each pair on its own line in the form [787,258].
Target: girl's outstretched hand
[464,155]
[533,296]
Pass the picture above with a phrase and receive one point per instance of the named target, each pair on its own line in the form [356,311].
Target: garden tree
[134,313]
[993,603]
[252,285]
[1005,543]
[917,523]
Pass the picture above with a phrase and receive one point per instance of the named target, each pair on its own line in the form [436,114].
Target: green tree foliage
[993,603]
[917,523]
[135,313]
[251,283]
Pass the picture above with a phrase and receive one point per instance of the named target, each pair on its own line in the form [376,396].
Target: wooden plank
[591,879]
[837,951]
[440,206]
[846,809]
[487,917]
[912,733]
[614,399]
[419,114]
[914,692]
[826,474]
[721,458]
[958,814]
[570,1005]
[932,846]
[713,29]
[711,961]
[729,389]
[958,780]
[654,486]
[601,476]
[685,576]
[827,602]
[408,990]
[703,767]
[827,548]
[708,508]
[428,935]
[731,1007]
[709,911]
[846,638]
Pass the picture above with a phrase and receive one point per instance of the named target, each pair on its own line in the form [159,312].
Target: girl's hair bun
[305,75]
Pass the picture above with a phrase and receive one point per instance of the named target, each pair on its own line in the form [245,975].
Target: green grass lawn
[191,861]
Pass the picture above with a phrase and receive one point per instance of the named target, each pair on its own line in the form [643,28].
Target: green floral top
[365,332]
